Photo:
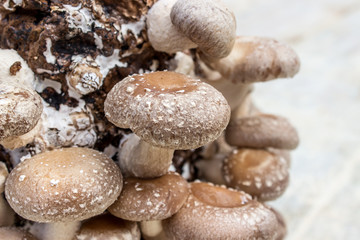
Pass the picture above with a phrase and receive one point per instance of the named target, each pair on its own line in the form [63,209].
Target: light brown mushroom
[150,199]
[106,226]
[252,59]
[163,35]
[215,35]
[257,59]
[7,215]
[20,109]
[62,187]
[166,110]
[12,233]
[213,212]
[262,131]
[260,173]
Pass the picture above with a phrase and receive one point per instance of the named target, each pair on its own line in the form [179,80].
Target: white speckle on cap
[54,182]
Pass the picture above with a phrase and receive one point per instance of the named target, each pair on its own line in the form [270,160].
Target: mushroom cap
[107,226]
[13,69]
[63,185]
[12,233]
[257,59]
[213,212]
[262,131]
[150,199]
[168,109]
[208,23]
[163,35]
[260,173]
[20,109]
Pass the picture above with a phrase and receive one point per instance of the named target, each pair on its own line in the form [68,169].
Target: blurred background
[323,102]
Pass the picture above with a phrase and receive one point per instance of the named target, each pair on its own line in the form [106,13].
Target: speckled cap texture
[151,199]
[213,212]
[20,109]
[69,184]
[260,173]
[168,109]
[261,131]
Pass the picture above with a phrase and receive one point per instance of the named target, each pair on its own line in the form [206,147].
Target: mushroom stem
[140,159]
[7,216]
[152,230]
[234,93]
[60,230]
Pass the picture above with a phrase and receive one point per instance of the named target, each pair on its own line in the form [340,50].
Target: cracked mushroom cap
[12,233]
[163,35]
[20,109]
[63,185]
[262,131]
[107,226]
[260,173]
[168,109]
[208,23]
[257,59]
[150,199]
[213,212]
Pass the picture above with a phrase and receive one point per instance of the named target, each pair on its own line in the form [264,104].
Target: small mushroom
[7,215]
[214,212]
[262,131]
[13,69]
[150,199]
[20,109]
[12,233]
[260,173]
[166,110]
[163,35]
[85,78]
[107,226]
[257,59]
[208,23]
[62,187]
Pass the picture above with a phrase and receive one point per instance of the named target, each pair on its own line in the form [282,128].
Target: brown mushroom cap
[107,226]
[20,109]
[168,109]
[257,59]
[63,185]
[262,131]
[11,233]
[208,23]
[163,35]
[260,173]
[150,199]
[213,212]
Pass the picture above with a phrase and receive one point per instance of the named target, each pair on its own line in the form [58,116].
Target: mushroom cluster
[134,120]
